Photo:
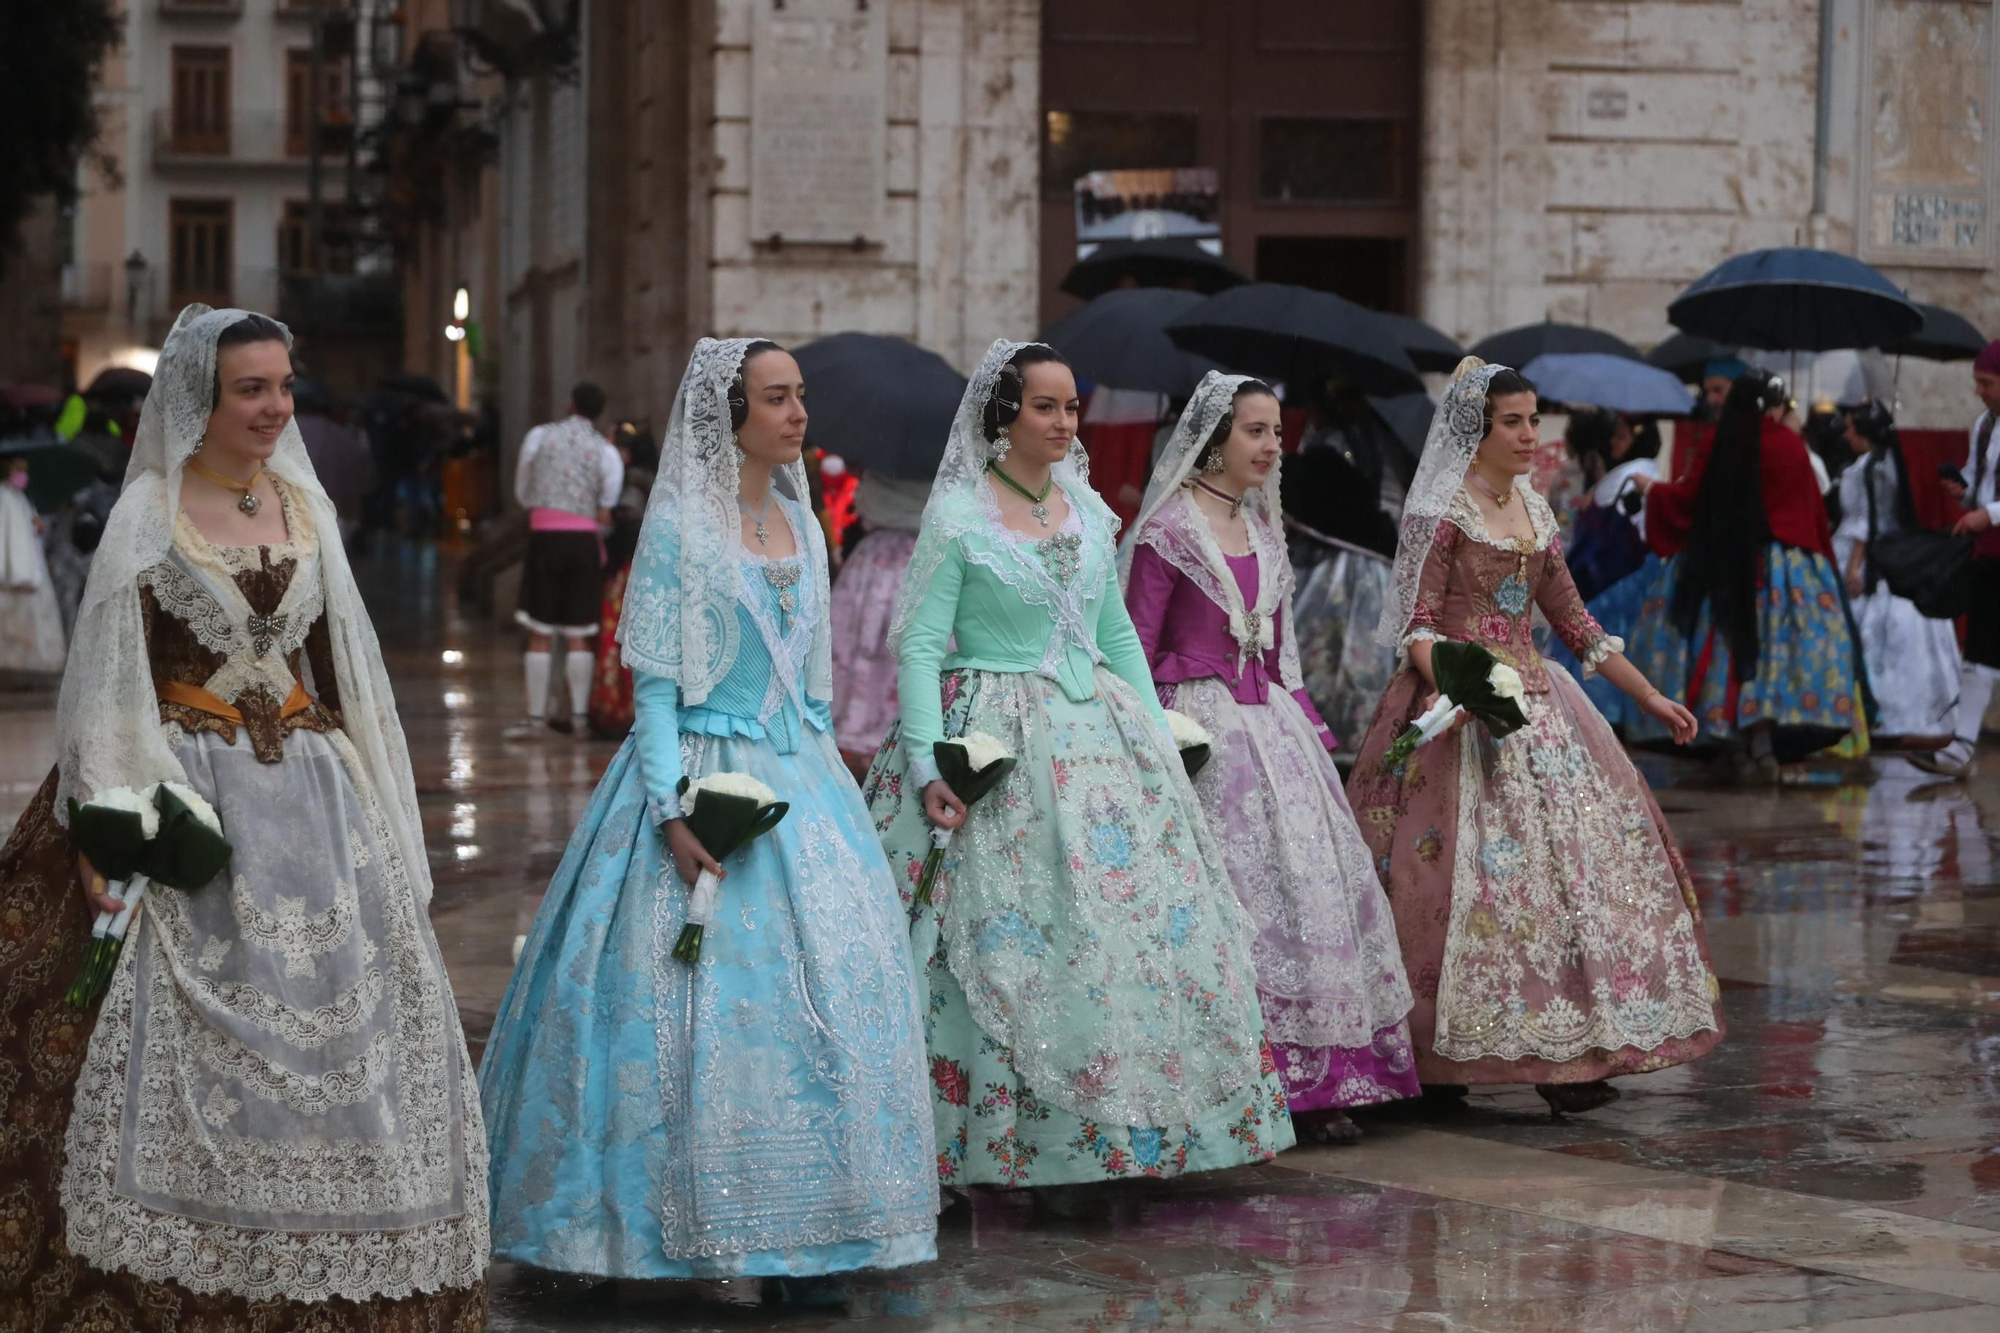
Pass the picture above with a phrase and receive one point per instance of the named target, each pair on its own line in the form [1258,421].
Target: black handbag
[1931,569]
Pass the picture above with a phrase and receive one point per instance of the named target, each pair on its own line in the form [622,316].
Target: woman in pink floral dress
[1547,920]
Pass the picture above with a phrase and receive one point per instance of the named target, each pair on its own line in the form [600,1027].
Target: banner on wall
[1144,205]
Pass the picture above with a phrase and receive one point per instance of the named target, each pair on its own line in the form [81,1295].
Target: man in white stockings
[1982,622]
[568,480]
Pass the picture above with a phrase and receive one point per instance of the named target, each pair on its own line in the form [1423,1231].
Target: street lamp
[454,332]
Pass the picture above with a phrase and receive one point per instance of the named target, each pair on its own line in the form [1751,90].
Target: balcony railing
[88,286]
[164,292]
[247,138]
[202,9]
[340,300]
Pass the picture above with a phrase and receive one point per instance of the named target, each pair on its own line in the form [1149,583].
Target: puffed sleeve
[1568,617]
[1427,616]
[1148,589]
[1118,640]
[921,659]
[656,735]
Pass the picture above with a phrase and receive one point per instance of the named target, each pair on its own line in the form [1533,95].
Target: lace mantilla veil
[1171,524]
[108,728]
[954,508]
[1456,430]
[687,579]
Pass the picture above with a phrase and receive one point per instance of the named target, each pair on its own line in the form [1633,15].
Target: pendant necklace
[757,519]
[1491,492]
[1235,502]
[249,504]
[1037,503]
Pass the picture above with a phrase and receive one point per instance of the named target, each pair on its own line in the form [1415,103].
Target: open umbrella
[1409,416]
[882,404]
[1297,335]
[1944,336]
[1688,355]
[1517,347]
[1795,299]
[119,384]
[1120,339]
[1164,262]
[1597,379]
[1428,348]
[416,386]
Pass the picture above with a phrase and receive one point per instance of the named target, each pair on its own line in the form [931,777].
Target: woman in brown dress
[269,1122]
[1547,920]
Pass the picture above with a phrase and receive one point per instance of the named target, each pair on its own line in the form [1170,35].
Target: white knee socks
[576,666]
[537,671]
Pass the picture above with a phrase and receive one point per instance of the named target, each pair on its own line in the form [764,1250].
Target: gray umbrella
[882,404]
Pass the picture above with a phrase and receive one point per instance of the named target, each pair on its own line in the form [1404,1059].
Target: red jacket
[1793,505]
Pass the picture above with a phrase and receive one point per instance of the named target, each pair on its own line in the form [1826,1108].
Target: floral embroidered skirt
[1329,972]
[1345,670]
[1547,920]
[44,925]
[1092,1006]
[610,679]
[1809,671]
[760,1113]
[1616,609]
[864,670]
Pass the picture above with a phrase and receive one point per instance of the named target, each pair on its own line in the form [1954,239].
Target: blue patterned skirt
[1808,678]
[1617,609]
[762,1113]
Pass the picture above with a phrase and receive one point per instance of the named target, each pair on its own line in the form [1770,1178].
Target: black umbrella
[882,404]
[1165,262]
[1688,354]
[1945,336]
[1429,348]
[121,383]
[1794,299]
[1409,416]
[417,386]
[1120,340]
[1297,335]
[1517,347]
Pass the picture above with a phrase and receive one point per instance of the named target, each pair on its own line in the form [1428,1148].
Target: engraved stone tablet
[818,120]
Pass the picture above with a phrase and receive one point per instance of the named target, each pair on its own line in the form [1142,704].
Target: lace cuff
[923,771]
[1419,636]
[1600,650]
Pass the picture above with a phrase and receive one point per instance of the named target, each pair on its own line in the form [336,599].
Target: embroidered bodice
[1007,602]
[1480,589]
[246,625]
[566,469]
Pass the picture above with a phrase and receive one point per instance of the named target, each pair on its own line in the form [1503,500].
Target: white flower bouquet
[1469,680]
[725,812]
[1192,740]
[167,834]
[971,766]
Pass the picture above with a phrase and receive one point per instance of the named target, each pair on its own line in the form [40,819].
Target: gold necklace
[249,503]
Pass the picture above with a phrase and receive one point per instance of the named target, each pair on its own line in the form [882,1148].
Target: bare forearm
[1620,672]
[1420,658]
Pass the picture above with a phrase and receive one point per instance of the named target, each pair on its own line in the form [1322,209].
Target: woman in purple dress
[1209,588]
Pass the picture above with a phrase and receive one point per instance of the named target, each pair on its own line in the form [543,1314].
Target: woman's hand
[96,891]
[1678,721]
[1430,702]
[690,857]
[942,806]
[1973,520]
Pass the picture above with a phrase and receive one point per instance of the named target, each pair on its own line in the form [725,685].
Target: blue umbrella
[1598,379]
[1795,300]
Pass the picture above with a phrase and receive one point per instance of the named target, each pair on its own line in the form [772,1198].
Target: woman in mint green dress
[1092,1009]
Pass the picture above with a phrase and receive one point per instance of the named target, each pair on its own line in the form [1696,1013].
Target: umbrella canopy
[56,470]
[1687,355]
[881,404]
[1597,379]
[1945,336]
[1297,335]
[1120,340]
[1409,416]
[1517,347]
[1794,299]
[1844,375]
[1428,348]
[120,383]
[1164,262]
[416,386]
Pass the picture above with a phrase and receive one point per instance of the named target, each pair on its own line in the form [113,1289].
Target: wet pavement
[1835,1164]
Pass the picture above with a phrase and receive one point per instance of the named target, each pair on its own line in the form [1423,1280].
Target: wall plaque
[818,120]
[1927,161]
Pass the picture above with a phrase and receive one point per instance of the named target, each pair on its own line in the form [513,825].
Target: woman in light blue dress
[762,1112]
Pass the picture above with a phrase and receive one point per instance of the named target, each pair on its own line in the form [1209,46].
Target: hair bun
[1466,367]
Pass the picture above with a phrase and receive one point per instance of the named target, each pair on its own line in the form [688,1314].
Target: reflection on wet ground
[1834,1164]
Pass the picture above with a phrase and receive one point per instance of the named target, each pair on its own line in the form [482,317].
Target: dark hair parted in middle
[1212,449]
[739,396]
[1505,381]
[1004,403]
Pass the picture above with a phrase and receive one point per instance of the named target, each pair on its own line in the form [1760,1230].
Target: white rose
[124,798]
[727,784]
[197,806]
[1187,732]
[1506,683]
[982,751]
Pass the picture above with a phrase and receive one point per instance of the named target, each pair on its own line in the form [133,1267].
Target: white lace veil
[108,728]
[1456,430]
[1171,524]
[687,577]
[954,508]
